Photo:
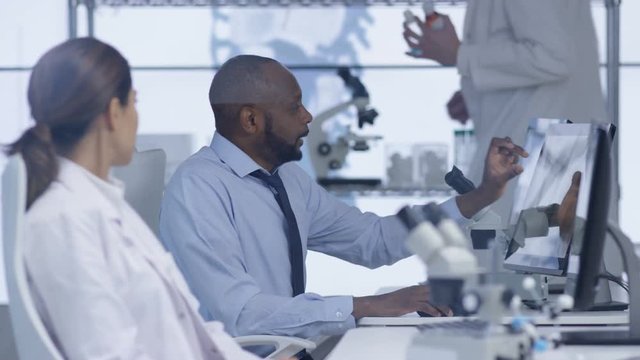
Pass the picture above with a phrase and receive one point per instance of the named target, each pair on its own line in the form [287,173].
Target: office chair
[31,337]
[144,184]
[284,346]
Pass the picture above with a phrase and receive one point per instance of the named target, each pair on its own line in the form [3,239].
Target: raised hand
[440,45]
[501,165]
[566,214]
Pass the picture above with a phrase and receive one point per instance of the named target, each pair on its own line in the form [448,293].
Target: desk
[571,318]
[384,343]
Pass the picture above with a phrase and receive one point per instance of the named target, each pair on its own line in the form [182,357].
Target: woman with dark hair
[103,285]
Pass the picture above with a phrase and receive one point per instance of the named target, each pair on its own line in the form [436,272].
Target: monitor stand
[617,337]
[602,300]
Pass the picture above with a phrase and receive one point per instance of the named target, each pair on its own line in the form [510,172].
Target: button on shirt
[228,235]
[102,283]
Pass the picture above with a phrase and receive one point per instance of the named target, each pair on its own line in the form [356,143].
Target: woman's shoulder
[60,202]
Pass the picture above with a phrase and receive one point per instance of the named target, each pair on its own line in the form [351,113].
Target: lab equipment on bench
[443,247]
[328,156]
[416,167]
[488,237]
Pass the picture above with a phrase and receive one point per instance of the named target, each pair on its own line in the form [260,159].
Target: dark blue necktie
[293,234]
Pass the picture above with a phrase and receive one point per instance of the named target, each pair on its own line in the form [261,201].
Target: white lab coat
[104,286]
[524,59]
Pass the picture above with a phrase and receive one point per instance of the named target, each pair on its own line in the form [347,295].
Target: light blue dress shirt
[227,234]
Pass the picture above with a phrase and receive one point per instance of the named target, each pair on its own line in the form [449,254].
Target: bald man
[240,215]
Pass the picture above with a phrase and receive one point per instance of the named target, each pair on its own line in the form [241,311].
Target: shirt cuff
[464,59]
[450,207]
[338,311]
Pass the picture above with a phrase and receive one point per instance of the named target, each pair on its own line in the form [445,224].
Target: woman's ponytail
[39,154]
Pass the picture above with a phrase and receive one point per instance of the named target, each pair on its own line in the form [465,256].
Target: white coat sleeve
[534,52]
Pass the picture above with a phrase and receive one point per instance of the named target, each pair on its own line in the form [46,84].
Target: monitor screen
[536,132]
[557,193]
[587,247]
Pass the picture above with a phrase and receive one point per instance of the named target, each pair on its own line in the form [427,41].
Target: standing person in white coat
[103,285]
[519,59]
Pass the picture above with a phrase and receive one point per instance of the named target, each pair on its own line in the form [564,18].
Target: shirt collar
[241,163]
[82,180]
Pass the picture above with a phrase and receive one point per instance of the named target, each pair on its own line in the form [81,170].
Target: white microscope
[490,240]
[443,247]
[326,155]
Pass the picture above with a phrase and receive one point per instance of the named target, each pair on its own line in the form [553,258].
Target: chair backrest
[144,184]
[31,337]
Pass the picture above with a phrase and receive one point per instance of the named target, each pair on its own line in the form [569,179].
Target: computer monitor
[587,255]
[539,244]
[587,247]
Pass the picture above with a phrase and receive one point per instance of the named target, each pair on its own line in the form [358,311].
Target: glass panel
[629,28]
[300,36]
[158,36]
[15,118]
[413,111]
[629,51]
[629,148]
[599,13]
[29,28]
[410,102]
[177,102]
[13,102]
[174,102]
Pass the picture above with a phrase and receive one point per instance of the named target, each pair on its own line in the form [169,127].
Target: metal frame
[73,16]
[264,3]
[613,93]
[632,268]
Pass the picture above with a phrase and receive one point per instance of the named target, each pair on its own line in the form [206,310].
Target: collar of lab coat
[80,180]
[109,197]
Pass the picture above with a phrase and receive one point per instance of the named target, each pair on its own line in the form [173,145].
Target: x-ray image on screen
[544,228]
[534,141]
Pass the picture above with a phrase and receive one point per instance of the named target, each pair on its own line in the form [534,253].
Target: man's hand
[566,214]
[397,303]
[457,108]
[500,166]
[440,45]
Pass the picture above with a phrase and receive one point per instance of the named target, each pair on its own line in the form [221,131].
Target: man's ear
[113,114]
[250,119]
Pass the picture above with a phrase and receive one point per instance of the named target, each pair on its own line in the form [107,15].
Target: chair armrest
[285,346]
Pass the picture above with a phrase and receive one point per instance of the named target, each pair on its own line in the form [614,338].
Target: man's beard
[281,150]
